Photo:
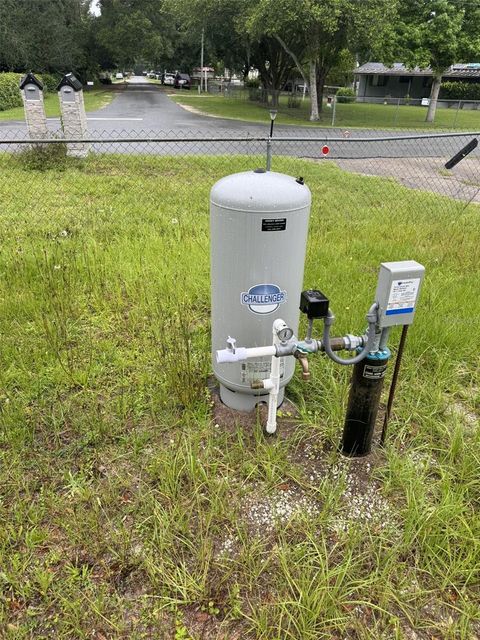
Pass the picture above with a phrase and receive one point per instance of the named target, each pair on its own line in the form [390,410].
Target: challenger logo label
[263,298]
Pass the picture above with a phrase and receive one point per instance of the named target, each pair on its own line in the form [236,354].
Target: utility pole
[201,61]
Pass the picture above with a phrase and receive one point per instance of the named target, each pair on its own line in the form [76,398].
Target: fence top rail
[321,139]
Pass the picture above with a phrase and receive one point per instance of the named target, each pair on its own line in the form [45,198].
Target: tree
[225,45]
[321,31]
[274,65]
[133,30]
[437,34]
[55,41]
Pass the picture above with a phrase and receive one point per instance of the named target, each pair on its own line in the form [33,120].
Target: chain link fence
[399,112]
[413,161]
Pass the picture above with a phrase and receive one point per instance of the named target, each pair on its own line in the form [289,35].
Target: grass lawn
[94,99]
[378,116]
[128,512]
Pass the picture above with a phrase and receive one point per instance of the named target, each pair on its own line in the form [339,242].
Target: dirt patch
[205,626]
[230,420]
[424,174]
[198,112]
[468,418]
[265,513]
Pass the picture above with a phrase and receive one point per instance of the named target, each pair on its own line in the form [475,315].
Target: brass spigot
[257,384]
[303,360]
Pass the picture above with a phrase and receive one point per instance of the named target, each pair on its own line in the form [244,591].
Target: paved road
[143,109]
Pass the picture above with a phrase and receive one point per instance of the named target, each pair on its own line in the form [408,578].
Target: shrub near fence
[460,91]
[345,94]
[10,96]
[50,82]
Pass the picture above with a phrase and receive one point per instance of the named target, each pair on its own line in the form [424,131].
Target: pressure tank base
[245,402]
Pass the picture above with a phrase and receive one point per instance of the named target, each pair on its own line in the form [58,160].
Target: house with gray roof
[376,81]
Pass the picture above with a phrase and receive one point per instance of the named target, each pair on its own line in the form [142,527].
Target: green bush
[345,94]
[49,81]
[44,157]
[460,91]
[10,96]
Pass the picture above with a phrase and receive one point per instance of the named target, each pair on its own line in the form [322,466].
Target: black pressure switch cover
[314,304]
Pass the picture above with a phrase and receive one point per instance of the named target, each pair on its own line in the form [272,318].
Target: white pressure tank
[259,226]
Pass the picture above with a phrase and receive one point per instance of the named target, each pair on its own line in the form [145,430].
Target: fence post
[456,114]
[269,153]
[395,119]
[334,110]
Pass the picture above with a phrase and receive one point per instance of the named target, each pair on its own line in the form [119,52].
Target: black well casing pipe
[364,399]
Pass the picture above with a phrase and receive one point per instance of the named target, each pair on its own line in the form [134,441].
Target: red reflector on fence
[325,150]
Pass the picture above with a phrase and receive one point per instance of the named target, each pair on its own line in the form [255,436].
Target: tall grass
[127,511]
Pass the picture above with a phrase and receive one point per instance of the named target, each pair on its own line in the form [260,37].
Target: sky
[94,8]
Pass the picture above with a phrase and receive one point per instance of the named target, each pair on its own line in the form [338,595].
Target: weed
[127,513]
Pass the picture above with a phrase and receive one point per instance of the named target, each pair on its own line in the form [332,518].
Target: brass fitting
[257,384]
[303,360]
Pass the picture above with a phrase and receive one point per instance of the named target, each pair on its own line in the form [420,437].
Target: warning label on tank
[403,296]
[373,372]
[258,370]
[274,224]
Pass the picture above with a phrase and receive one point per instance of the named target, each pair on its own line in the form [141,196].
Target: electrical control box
[397,293]
[314,303]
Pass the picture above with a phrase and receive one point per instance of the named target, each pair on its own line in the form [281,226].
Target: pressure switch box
[398,289]
[314,303]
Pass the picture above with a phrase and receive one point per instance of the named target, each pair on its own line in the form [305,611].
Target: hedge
[460,90]
[10,95]
[9,92]
[345,94]
[50,82]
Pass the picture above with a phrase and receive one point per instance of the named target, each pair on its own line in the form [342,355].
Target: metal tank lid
[260,191]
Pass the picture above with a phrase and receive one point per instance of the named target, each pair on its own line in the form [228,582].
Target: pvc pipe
[243,353]
[273,393]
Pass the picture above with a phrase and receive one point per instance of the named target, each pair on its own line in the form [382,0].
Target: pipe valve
[303,360]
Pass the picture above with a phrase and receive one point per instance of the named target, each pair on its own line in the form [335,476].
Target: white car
[169,79]
[119,76]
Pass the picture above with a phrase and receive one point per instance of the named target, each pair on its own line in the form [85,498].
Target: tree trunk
[320,80]
[432,107]
[274,94]
[313,92]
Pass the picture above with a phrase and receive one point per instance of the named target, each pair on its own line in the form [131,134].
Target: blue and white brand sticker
[263,298]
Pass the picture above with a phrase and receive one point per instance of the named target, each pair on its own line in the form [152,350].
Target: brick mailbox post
[32,96]
[74,119]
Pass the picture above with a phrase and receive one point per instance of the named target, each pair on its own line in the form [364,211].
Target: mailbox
[31,87]
[67,94]
[69,85]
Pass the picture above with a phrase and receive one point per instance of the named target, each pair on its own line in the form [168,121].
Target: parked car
[168,79]
[119,75]
[182,81]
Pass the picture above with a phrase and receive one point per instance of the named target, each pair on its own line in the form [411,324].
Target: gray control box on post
[397,293]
